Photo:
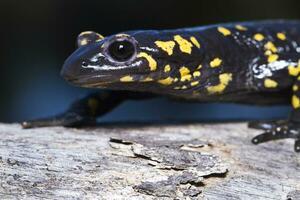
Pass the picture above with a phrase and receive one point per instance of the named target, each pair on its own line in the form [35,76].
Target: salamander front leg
[275,130]
[82,112]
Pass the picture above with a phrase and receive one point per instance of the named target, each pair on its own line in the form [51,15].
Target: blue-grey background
[37,35]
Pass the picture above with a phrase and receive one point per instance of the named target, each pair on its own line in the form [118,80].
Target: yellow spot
[293,70]
[216,62]
[224,31]
[184,87]
[167,68]
[151,61]
[166,81]
[148,79]
[241,28]
[196,74]
[281,36]
[184,71]
[195,41]
[177,88]
[93,105]
[295,88]
[167,46]
[194,83]
[187,77]
[175,80]
[184,45]
[199,67]
[269,83]
[224,81]
[295,102]
[273,58]
[259,37]
[84,42]
[126,79]
[270,46]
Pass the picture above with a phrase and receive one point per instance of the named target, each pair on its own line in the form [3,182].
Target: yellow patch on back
[270,46]
[148,79]
[224,81]
[151,61]
[259,37]
[295,88]
[184,45]
[241,28]
[269,83]
[281,36]
[294,70]
[126,79]
[195,41]
[187,77]
[273,58]
[166,46]
[224,31]
[199,67]
[166,81]
[167,68]
[184,71]
[196,74]
[295,102]
[215,62]
[194,83]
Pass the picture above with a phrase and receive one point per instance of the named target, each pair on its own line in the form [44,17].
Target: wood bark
[127,161]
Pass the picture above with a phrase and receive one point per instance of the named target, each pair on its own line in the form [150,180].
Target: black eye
[121,50]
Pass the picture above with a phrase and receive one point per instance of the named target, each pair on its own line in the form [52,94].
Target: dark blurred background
[37,36]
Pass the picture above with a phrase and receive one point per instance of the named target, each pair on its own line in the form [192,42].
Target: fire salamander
[250,62]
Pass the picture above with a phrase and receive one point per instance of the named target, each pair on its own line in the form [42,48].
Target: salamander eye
[121,51]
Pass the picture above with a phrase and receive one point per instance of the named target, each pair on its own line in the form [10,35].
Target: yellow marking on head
[224,31]
[194,83]
[270,46]
[199,67]
[100,37]
[151,61]
[268,52]
[241,28]
[294,70]
[195,41]
[167,46]
[224,81]
[84,42]
[148,79]
[166,81]
[269,83]
[215,62]
[184,45]
[281,36]
[196,74]
[93,104]
[295,88]
[295,102]
[167,68]
[273,58]
[259,37]
[126,79]
[175,80]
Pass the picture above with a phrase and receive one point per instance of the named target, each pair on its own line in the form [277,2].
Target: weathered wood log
[188,161]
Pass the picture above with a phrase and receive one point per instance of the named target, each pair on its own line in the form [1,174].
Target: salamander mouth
[90,81]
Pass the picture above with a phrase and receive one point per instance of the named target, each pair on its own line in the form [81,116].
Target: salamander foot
[276,130]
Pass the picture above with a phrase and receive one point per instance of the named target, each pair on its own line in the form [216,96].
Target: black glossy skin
[253,63]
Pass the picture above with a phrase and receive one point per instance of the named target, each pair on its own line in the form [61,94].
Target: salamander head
[138,60]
